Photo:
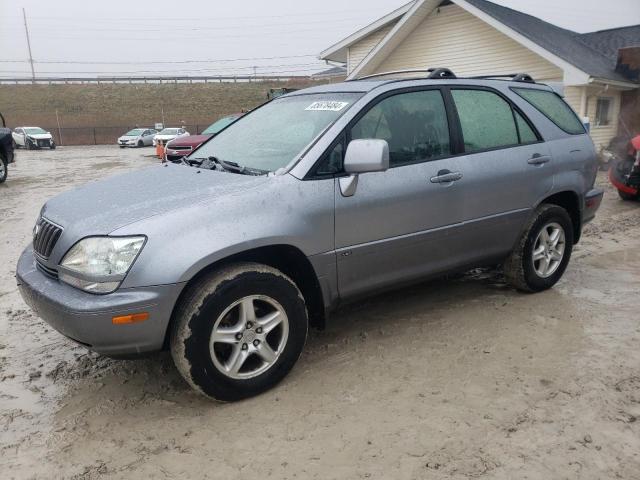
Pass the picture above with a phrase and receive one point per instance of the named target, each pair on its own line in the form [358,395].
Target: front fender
[182,242]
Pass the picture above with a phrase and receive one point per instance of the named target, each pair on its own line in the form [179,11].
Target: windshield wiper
[214,163]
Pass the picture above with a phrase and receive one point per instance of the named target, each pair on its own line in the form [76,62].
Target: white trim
[363,32]
[614,83]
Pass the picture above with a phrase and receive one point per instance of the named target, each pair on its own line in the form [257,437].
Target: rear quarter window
[552,106]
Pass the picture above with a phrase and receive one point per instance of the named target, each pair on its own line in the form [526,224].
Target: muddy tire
[238,331]
[3,168]
[627,196]
[543,251]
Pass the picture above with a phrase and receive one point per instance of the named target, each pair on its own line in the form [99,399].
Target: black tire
[627,196]
[206,301]
[519,268]
[140,143]
[29,145]
[52,146]
[4,170]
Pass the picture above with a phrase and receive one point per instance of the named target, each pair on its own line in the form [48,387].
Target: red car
[182,146]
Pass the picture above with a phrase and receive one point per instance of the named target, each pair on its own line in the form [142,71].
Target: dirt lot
[458,378]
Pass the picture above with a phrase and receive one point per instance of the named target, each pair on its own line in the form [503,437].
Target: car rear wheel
[543,251]
[239,331]
[3,168]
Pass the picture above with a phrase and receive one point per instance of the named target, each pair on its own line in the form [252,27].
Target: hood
[166,135]
[101,207]
[189,141]
[39,136]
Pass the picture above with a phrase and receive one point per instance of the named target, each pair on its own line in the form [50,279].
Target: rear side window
[554,108]
[414,124]
[527,135]
[486,120]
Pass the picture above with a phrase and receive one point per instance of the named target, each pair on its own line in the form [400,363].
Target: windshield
[272,136]
[219,125]
[169,131]
[34,130]
[134,133]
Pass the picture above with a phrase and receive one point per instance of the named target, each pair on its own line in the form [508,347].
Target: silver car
[319,197]
[138,137]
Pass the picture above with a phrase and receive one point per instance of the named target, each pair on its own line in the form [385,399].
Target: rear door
[507,170]
[403,223]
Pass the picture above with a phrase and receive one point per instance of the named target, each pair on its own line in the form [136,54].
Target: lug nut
[259,330]
[249,324]
[256,342]
[244,346]
[238,336]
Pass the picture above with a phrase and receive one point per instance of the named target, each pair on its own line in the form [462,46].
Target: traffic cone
[160,150]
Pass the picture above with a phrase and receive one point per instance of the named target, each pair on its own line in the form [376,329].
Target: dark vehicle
[6,149]
[278,92]
[624,173]
[182,146]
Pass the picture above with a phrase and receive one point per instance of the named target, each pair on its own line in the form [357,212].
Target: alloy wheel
[548,250]
[248,337]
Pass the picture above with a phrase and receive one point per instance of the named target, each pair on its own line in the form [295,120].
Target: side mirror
[363,156]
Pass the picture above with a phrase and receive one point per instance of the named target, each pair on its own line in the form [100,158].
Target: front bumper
[87,318]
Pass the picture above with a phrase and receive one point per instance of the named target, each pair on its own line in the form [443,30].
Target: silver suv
[316,198]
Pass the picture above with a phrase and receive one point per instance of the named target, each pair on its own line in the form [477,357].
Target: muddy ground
[456,378]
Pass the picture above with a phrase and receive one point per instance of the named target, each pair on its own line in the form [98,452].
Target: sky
[206,37]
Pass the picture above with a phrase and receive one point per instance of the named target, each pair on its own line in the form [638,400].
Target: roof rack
[515,77]
[433,73]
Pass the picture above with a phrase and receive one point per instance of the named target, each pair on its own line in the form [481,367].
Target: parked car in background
[168,134]
[32,137]
[179,147]
[138,137]
[316,198]
[6,149]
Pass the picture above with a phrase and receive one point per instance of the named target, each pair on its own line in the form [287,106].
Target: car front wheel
[238,331]
[3,168]
[543,251]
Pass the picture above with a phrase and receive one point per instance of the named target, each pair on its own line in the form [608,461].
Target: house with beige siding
[478,37]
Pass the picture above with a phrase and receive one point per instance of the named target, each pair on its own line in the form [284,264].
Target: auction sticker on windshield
[327,105]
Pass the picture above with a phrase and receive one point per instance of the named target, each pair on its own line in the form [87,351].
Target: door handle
[538,159]
[446,176]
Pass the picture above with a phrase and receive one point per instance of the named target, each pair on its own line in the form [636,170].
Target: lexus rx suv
[317,198]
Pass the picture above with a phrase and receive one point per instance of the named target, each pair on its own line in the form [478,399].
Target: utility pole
[26,29]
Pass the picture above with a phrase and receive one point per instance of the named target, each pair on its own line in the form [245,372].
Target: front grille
[45,236]
[179,147]
[43,143]
[50,272]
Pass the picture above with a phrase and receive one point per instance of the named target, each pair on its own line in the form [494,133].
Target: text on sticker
[327,105]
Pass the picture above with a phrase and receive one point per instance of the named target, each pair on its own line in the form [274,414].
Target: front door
[404,223]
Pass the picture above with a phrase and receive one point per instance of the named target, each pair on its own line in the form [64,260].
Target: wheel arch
[570,201]
[288,259]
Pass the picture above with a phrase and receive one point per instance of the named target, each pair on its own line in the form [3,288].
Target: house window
[603,111]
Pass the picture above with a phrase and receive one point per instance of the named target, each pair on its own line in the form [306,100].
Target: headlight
[99,264]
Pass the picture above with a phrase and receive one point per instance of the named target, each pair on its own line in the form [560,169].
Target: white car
[169,134]
[138,137]
[32,137]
